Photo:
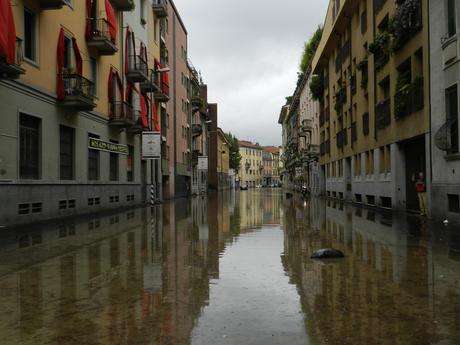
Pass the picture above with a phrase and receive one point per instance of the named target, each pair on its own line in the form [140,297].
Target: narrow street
[232,268]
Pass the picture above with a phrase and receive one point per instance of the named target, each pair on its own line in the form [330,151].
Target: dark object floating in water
[327,253]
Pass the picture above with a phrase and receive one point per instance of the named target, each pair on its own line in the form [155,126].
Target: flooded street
[232,268]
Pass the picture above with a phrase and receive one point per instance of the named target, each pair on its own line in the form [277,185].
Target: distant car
[244,187]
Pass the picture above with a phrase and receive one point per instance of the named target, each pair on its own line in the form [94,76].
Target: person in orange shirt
[420,188]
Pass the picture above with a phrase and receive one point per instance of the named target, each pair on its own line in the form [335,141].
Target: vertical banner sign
[202,162]
[151,145]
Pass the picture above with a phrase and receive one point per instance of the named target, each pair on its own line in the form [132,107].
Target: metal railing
[137,63]
[409,99]
[121,112]
[99,29]
[76,85]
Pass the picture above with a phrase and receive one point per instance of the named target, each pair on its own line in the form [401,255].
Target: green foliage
[235,156]
[317,87]
[288,100]
[381,48]
[310,49]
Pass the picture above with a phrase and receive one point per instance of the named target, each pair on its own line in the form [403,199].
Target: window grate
[23,209]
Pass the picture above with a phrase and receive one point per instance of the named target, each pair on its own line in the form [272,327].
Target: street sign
[151,145]
[202,162]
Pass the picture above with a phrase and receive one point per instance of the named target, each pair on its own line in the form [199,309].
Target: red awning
[7,32]
[60,65]
[144,118]
[78,59]
[111,20]
[89,19]
[155,118]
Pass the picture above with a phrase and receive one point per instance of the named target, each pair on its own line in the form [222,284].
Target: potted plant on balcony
[317,87]
[381,49]
[406,22]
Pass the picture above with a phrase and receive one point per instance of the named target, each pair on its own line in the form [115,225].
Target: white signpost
[202,162]
[151,150]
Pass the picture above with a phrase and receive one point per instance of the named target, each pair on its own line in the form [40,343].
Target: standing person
[420,188]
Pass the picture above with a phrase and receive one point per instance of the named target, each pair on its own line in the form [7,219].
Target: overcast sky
[248,52]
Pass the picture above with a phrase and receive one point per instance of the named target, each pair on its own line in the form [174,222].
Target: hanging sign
[202,162]
[151,145]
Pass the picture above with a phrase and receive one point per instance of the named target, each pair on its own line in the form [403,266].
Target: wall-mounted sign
[202,162]
[97,144]
[151,145]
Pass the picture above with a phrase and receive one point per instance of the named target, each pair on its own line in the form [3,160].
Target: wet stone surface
[232,268]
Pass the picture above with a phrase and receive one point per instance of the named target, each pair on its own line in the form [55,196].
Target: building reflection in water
[399,282]
[143,276]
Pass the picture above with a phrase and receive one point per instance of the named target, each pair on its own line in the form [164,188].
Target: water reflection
[398,284]
[222,270]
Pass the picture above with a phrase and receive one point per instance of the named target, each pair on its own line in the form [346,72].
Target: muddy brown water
[232,268]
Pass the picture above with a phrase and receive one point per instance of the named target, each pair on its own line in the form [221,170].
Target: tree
[310,49]
[234,149]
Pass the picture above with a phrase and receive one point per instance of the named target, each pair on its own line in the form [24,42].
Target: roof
[178,16]
[249,144]
[272,149]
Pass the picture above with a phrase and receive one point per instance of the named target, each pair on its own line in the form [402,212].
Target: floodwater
[234,269]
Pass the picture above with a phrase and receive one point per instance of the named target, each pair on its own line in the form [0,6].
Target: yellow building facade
[374,123]
[87,79]
[251,169]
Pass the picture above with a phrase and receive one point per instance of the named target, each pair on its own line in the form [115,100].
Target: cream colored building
[251,169]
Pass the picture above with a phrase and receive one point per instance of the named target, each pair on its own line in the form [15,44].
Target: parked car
[244,187]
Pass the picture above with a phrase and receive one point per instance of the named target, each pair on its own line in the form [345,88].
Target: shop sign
[97,144]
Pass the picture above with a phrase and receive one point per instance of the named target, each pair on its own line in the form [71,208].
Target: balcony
[306,128]
[197,130]
[122,115]
[162,94]
[195,155]
[151,84]
[52,4]
[160,8]
[99,37]
[383,114]
[14,70]
[78,92]
[197,104]
[409,99]
[123,5]
[137,127]
[137,69]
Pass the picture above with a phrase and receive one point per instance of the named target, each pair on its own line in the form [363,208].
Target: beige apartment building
[251,170]
[374,120]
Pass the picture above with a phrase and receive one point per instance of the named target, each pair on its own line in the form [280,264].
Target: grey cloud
[248,53]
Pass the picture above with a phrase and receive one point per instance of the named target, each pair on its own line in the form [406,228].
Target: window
[67,53]
[358,165]
[364,21]
[30,35]
[29,147]
[130,164]
[451,18]
[453,203]
[66,154]
[452,117]
[113,164]
[93,162]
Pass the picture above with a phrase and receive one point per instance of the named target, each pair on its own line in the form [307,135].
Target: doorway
[414,155]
